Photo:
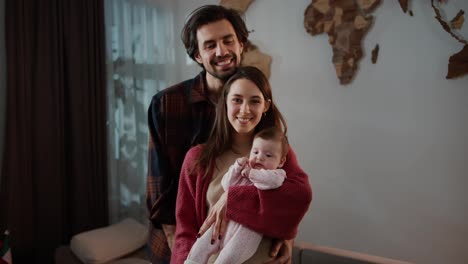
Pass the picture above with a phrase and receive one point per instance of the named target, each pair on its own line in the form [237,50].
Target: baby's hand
[245,171]
[242,161]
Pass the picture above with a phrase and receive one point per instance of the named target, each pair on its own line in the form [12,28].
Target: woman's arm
[186,210]
[277,212]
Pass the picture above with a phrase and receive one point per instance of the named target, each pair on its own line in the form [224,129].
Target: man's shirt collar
[199,91]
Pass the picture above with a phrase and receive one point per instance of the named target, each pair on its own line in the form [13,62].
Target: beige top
[215,190]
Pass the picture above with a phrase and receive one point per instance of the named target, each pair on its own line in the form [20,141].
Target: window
[140,57]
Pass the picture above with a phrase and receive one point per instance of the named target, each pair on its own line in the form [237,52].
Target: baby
[263,170]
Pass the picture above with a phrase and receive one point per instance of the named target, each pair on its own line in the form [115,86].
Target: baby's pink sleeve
[231,177]
[267,179]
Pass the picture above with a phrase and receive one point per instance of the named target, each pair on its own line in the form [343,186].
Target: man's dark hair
[209,14]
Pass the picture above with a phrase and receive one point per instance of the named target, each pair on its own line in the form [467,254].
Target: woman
[245,107]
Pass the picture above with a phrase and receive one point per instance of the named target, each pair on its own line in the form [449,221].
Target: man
[181,116]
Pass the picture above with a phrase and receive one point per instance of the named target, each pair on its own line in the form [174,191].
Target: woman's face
[245,106]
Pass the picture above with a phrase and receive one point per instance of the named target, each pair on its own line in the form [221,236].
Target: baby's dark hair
[276,134]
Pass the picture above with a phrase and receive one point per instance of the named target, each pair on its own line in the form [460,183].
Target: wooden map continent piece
[239,5]
[346,22]
[457,21]
[458,64]
[404,5]
[251,56]
[375,54]
[445,25]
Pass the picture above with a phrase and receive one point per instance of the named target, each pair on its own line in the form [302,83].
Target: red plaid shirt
[179,117]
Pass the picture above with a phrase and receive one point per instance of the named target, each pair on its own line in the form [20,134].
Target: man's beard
[224,76]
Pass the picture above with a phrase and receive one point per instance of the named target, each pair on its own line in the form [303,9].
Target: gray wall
[386,155]
[2,80]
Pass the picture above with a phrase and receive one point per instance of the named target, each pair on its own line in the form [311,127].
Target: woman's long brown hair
[221,137]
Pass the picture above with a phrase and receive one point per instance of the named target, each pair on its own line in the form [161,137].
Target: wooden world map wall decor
[346,22]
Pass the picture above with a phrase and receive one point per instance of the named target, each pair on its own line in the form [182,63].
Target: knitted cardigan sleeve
[275,213]
[187,216]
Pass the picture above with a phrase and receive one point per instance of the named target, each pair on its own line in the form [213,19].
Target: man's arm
[158,166]
[169,231]
[281,250]
[156,173]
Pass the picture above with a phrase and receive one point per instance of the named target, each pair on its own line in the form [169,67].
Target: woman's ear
[267,105]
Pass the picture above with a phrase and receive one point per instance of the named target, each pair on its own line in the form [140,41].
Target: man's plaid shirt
[179,117]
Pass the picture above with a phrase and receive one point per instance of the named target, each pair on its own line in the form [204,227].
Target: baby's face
[266,154]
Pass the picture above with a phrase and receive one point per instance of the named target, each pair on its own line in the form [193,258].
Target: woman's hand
[169,231]
[216,216]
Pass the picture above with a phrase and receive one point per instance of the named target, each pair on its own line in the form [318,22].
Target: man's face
[219,50]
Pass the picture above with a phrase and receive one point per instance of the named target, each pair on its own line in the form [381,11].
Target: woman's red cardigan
[275,213]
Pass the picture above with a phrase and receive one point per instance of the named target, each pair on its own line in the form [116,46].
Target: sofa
[304,253]
[120,243]
[124,243]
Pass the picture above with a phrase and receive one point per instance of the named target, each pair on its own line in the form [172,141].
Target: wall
[2,81]
[386,155]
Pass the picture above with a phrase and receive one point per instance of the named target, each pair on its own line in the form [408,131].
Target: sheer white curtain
[140,61]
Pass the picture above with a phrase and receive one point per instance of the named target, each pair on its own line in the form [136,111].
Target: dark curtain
[54,178]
